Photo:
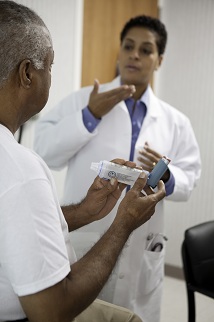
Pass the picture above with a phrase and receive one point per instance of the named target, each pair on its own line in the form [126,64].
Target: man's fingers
[140,182]
[108,186]
[148,190]
[129,164]
[119,161]
[113,187]
[161,193]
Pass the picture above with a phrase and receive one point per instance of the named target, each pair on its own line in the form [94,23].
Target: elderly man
[40,279]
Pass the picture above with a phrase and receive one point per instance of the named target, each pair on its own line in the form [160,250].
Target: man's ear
[25,73]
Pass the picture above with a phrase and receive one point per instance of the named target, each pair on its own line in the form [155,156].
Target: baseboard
[174,271]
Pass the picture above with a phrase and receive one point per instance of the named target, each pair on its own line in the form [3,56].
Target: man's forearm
[68,298]
[99,201]
[96,266]
[76,216]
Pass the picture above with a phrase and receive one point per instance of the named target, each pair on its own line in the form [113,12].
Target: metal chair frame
[198,263]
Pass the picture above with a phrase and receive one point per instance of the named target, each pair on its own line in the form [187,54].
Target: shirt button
[121,275]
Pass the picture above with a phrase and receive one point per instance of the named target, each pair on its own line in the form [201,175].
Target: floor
[174,308]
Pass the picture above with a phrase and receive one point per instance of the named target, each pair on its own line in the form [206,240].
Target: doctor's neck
[139,91]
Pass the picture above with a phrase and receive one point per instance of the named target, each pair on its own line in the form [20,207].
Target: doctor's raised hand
[102,103]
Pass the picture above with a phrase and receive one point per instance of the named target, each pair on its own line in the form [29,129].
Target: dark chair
[198,263]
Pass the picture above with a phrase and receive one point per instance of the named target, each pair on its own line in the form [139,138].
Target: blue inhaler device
[158,171]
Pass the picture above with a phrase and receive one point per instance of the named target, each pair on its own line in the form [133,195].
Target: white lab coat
[62,140]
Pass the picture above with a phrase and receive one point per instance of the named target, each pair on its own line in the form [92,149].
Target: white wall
[186,81]
[64,20]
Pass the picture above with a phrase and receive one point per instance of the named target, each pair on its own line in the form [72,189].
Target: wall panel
[103,21]
[186,80]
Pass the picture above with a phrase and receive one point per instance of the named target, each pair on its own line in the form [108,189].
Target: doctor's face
[138,57]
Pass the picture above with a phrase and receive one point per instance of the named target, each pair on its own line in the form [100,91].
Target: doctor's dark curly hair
[147,22]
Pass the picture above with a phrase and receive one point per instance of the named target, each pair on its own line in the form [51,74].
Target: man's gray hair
[23,35]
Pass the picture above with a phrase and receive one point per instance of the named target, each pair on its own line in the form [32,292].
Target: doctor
[103,122]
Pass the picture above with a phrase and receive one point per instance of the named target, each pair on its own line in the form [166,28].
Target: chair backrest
[198,255]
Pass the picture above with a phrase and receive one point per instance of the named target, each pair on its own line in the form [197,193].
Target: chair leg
[191,305]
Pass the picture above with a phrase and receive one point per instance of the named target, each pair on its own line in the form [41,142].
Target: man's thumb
[140,182]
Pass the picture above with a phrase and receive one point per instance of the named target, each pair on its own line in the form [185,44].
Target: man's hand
[101,103]
[136,207]
[103,194]
[101,198]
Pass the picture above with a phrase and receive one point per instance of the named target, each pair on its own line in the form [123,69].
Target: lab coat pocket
[152,270]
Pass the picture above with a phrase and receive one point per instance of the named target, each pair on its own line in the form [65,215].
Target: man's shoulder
[20,165]
[28,164]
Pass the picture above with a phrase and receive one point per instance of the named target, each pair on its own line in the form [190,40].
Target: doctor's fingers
[150,155]
[152,152]
[146,164]
[148,160]
[102,103]
[119,94]
[116,94]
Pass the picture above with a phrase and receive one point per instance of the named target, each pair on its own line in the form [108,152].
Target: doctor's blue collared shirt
[137,111]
